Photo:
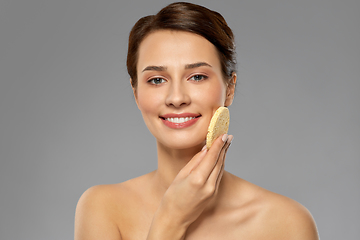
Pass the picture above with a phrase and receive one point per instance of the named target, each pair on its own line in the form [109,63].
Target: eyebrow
[196,65]
[155,68]
[187,66]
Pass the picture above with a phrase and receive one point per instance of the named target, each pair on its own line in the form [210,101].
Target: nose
[178,95]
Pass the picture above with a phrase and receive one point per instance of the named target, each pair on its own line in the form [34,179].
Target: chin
[183,144]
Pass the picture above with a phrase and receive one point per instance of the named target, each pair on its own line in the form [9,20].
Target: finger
[221,172]
[194,161]
[206,166]
[218,180]
[218,168]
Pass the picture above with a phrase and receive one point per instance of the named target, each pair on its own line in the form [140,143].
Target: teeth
[179,120]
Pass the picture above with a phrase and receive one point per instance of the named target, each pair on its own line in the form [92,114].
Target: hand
[196,184]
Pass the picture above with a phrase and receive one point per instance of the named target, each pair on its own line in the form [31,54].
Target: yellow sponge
[219,125]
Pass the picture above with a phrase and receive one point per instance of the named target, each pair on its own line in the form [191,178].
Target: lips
[181,120]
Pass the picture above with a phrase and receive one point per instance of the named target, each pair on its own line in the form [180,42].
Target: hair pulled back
[183,16]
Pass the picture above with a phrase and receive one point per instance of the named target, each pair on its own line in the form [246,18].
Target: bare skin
[242,211]
[189,196]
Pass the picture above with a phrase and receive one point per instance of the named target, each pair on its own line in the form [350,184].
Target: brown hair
[183,16]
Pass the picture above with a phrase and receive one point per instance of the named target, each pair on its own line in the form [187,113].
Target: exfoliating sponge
[219,125]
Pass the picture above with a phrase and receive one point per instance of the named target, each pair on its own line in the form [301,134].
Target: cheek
[213,94]
[148,102]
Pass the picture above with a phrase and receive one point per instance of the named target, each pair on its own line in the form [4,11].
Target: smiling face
[180,86]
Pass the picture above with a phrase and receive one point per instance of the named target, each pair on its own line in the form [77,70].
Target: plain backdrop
[68,119]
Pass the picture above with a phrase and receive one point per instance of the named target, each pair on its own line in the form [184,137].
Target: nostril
[177,97]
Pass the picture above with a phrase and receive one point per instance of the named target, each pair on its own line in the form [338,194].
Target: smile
[178,121]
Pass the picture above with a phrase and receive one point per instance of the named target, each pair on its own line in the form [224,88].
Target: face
[180,86]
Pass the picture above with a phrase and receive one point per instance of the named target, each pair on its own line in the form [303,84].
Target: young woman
[182,68]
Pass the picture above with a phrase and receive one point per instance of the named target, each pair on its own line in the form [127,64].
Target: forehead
[176,48]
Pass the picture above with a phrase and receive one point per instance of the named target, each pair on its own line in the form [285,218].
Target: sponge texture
[219,125]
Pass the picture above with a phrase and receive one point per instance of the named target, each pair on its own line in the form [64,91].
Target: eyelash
[151,81]
[203,77]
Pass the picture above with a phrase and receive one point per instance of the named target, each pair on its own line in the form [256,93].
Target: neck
[170,162]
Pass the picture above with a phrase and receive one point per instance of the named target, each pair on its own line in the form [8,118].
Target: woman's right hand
[191,191]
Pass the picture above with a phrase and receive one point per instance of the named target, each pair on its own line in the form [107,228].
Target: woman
[182,68]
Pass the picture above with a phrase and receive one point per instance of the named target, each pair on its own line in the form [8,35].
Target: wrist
[166,226]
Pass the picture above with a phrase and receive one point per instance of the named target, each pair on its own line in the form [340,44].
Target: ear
[230,91]
[135,93]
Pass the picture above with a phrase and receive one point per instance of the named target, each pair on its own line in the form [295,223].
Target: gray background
[68,119]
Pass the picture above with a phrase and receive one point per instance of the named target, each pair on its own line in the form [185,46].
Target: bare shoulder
[268,215]
[93,218]
[100,208]
[111,196]
[286,218]
[101,197]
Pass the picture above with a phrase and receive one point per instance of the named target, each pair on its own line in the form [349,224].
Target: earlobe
[134,92]
[230,91]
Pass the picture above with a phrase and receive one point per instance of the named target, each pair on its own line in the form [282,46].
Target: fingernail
[224,137]
[231,137]
[204,147]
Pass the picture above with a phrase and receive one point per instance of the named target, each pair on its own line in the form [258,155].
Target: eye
[198,78]
[156,81]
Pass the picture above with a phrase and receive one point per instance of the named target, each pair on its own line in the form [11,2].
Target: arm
[190,192]
[198,181]
[93,219]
